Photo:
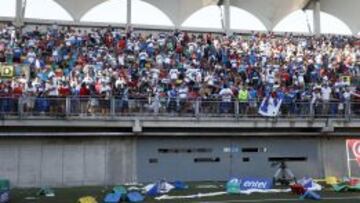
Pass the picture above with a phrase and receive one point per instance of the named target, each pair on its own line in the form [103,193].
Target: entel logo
[255,184]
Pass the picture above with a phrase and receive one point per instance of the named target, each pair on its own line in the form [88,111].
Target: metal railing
[95,107]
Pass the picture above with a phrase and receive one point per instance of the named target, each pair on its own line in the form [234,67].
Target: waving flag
[270,106]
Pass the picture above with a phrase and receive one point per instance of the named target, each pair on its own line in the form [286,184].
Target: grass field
[71,195]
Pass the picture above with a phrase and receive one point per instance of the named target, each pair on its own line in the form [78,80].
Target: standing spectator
[84,98]
[226,95]
[325,97]
[243,97]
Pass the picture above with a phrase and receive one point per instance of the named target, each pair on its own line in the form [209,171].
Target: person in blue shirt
[252,58]
[172,103]
[17,54]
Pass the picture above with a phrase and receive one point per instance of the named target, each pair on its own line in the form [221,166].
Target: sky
[114,11]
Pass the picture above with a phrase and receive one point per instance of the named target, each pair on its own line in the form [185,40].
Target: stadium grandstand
[96,92]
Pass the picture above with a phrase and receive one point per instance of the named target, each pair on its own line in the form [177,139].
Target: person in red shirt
[285,78]
[18,90]
[179,48]
[84,94]
[84,91]
[108,39]
[64,90]
[122,43]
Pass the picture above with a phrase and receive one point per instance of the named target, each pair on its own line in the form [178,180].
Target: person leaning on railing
[348,95]
[5,95]
[29,97]
[356,102]
[52,92]
[253,101]
[84,97]
[172,103]
[226,95]
[243,97]
[64,93]
[105,94]
[183,98]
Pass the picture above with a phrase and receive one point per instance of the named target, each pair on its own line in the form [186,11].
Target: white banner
[270,107]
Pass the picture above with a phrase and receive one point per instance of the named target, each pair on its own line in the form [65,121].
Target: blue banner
[256,183]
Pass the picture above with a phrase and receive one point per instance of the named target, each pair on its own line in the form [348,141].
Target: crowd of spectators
[169,70]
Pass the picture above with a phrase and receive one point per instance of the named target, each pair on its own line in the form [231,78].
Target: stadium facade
[77,151]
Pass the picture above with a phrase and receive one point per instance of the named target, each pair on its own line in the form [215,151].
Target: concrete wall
[30,162]
[324,157]
[77,161]
[334,157]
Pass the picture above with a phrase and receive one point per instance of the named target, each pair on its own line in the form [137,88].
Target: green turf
[71,195]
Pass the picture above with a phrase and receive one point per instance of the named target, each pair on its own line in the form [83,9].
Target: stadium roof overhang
[270,12]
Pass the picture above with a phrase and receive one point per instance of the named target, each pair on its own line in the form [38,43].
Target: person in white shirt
[348,94]
[226,97]
[155,74]
[183,91]
[120,82]
[325,97]
[159,59]
[88,80]
[30,91]
[31,56]
[51,88]
[183,94]
[270,77]
[121,59]
[143,56]
[346,105]
[326,93]
[174,73]
[315,99]
[105,92]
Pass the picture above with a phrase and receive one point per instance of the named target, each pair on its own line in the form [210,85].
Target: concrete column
[317,21]
[68,107]
[128,16]
[19,18]
[77,20]
[227,17]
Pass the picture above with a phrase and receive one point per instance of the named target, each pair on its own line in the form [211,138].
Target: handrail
[83,107]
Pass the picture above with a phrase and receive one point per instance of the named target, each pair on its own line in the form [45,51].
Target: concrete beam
[138,123]
[68,123]
[33,135]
